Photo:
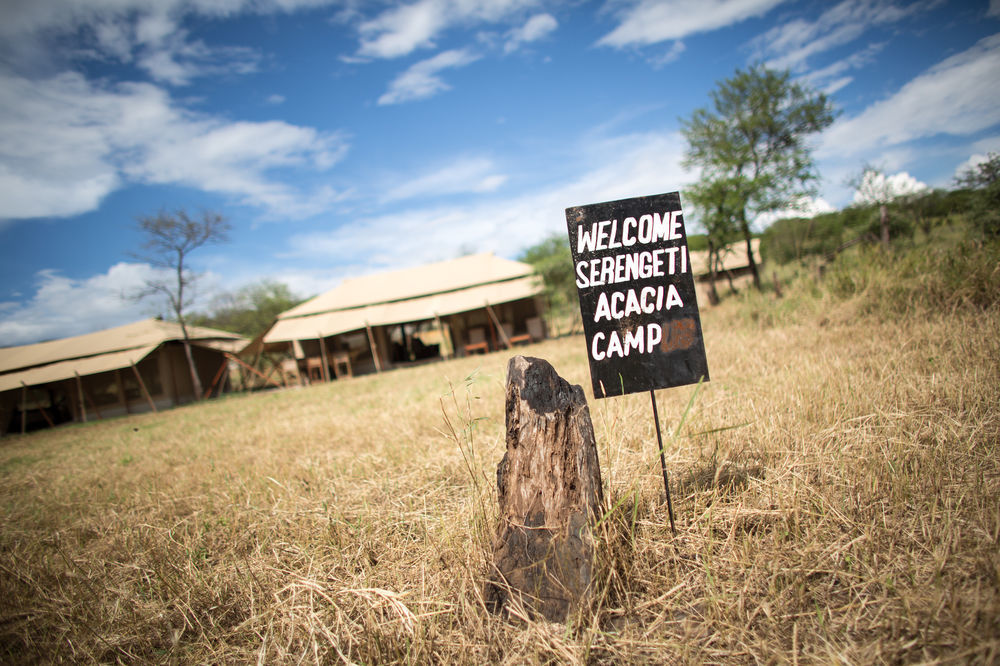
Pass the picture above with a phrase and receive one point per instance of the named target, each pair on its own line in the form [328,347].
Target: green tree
[752,139]
[553,262]
[984,180]
[170,238]
[249,310]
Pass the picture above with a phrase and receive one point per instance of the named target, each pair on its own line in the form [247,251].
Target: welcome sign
[637,294]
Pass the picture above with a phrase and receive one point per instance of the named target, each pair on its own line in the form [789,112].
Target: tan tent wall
[164,373]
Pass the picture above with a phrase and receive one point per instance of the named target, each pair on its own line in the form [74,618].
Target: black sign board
[637,295]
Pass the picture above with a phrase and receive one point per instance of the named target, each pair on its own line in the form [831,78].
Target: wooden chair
[477,342]
[342,364]
[314,364]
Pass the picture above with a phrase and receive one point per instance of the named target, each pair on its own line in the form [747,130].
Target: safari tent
[472,304]
[733,261]
[133,368]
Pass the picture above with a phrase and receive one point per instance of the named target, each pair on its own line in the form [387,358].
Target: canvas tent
[475,303]
[131,368]
[733,260]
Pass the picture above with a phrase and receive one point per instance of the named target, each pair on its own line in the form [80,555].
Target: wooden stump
[549,484]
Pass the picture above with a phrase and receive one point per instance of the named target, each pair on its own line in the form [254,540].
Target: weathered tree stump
[549,484]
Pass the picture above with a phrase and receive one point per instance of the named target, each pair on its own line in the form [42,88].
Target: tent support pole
[215,380]
[322,353]
[496,322]
[371,341]
[83,400]
[145,391]
[24,404]
[444,348]
[254,370]
[24,408]
[121,391]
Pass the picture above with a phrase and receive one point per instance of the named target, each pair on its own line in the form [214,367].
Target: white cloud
[463,175]
[653,21]
[957,96]
[147,32]
[405,28]
[994,9]
[537,27]
[421,80]
[676,49]
[66,143]
[791,44]
[631,165]
[63,307]
[876,187]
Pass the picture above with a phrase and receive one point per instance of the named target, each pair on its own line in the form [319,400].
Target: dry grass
[852,516]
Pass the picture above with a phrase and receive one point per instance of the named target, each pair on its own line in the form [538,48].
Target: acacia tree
[170,238]
[751,139]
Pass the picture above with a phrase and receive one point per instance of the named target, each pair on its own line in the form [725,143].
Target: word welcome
[649,228]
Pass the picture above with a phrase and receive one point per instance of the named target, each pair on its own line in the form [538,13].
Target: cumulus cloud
[537,27]
[957,96]
[421,80]
[405,28]
[68,142]
[876,187]
[63,307]
[652,21]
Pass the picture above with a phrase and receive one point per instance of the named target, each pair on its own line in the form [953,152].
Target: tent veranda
[372,323]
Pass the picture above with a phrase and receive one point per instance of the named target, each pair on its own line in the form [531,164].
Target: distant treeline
[793,239]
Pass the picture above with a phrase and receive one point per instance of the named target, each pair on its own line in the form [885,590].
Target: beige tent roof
[149,333]
[415,294]
[734,256]
[68,369]
[444,276]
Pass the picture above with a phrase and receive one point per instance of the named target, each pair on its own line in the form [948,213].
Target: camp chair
[477,341]
[342,364]
[314,364]
[535,328]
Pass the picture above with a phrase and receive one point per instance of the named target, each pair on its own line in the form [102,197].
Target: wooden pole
[444,347]
[215,380]
[24,408]
[83,400]
[121,391]
[496,322]
[253,370]
[145,391]
[24,404]
[371,341]
[663,463]
[322,353]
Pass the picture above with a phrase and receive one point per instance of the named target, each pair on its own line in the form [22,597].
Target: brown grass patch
[854,516]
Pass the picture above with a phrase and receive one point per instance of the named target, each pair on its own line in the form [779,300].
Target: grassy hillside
[844,505]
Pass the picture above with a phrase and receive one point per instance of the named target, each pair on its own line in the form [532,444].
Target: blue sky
[348,137]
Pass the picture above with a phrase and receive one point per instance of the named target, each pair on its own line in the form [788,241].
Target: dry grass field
[836,487]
